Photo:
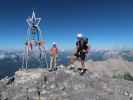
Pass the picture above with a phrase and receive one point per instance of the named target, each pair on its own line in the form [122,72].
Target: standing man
[82,49]
[53,53]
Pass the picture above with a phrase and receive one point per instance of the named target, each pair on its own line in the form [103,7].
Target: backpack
[85,40]
[84,45]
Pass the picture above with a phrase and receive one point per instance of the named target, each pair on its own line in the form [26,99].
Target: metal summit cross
[34,45]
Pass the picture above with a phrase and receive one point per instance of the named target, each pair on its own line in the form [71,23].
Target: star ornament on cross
[33,21]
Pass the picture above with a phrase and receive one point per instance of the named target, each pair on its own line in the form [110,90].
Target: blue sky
[107,23]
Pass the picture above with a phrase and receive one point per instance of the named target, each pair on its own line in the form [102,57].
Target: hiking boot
[82,71]
[54,69]
[50,70]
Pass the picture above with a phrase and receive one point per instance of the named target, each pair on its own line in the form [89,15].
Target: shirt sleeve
[77,43]
[56,50]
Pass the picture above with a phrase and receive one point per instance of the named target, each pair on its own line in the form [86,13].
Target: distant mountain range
[103,54]
[12,60]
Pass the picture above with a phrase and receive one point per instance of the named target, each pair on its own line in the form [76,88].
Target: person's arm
[77,44]
[88,48]
[56,50]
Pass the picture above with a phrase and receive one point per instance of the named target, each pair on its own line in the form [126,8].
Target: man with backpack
[81,50]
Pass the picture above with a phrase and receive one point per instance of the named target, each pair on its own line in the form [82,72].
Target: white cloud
[2,56]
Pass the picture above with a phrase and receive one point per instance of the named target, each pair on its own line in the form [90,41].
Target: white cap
[54,43]
[79,35]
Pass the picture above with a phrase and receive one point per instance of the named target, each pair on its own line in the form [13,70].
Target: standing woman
[53,54]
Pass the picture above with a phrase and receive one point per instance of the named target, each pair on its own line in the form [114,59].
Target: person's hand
[84,50]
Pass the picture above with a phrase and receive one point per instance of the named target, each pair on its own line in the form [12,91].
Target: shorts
[81,55]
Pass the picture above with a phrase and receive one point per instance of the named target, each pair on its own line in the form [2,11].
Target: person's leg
[83,63]
[51,62]
[54,61]
[83,70]
[82,59]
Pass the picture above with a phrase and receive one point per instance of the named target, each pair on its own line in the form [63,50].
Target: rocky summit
[67,84]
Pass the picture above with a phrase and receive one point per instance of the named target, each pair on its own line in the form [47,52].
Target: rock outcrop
[65,84]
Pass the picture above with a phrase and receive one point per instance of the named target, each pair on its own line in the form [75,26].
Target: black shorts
[81,55]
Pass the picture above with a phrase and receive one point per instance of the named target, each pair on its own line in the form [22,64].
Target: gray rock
[66,84]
